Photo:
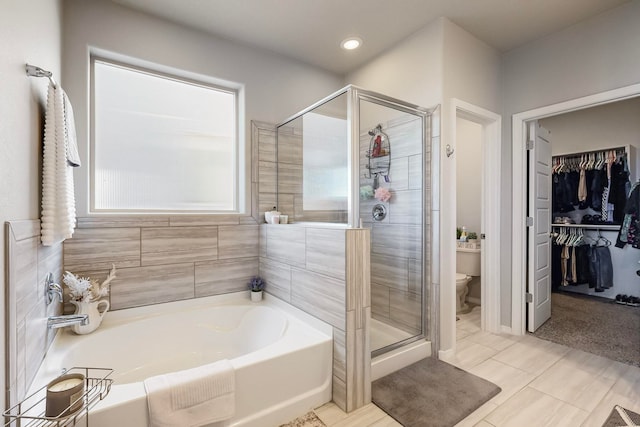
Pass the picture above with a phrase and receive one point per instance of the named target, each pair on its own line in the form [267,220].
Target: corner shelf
[30,412]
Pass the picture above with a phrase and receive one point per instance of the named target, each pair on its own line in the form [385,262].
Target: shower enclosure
[363,159]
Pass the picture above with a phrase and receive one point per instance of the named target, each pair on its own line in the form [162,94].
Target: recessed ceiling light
[351,43]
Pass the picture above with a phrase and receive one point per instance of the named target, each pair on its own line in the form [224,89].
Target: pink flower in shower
[382,194]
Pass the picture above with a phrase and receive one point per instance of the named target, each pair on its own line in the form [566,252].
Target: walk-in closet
[595,253]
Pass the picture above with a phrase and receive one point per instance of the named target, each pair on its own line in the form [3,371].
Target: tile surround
[180,260]
[27,336]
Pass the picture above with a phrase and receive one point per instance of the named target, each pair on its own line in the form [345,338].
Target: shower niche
[362,159]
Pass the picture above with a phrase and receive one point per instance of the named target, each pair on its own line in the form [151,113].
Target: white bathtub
[282,357]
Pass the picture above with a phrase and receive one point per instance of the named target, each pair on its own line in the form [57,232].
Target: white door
[539,266]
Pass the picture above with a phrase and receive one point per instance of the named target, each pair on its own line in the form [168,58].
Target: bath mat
[431,393]
[310,419]
[620,417]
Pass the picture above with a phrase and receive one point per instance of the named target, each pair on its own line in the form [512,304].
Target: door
[539,227]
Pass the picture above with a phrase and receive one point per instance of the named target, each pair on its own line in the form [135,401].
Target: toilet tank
[468,261]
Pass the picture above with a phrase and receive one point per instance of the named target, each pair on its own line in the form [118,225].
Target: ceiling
[311,30]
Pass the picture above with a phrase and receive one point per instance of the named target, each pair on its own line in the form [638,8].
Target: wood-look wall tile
[286,244]
[238,241]
[203,220]
[415,172]
[277,275]
[339,393]
[325,251]
[123,221]
[262,247]
[405,139]
[399,174]
[169,245]
[139,286]
[289,148]
[248,220]
[224,276]
[21,361]
[290,178]
[366,357]
[406,207]
[97,248]
[352,379]
[380,300]
[36,340]
[267,144]
[389,270]
[415,275]
[406,308]
[323,296]
[23,275]
[339,354]
[267,177]
[286,205]
[358,268]
[398,239]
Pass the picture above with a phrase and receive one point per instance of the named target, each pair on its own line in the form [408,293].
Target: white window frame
[240,197]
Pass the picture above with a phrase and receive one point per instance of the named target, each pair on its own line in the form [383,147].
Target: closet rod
[33,71]
[602,150]
[603,227]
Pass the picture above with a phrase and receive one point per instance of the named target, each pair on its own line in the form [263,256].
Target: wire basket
[30,412]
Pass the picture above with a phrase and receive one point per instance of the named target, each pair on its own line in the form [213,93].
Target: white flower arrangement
[83,289]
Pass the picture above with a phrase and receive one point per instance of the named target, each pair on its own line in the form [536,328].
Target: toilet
[467,266]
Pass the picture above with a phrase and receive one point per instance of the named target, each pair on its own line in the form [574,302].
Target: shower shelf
[31,411]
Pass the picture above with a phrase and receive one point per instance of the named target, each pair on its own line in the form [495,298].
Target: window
[162,143]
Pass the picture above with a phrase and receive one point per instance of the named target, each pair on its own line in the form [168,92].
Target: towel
[60,154]
[193,397]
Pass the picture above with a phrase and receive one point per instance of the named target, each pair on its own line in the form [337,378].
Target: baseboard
[506,330]
[474,300]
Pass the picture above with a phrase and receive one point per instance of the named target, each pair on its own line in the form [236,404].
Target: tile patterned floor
[543,384]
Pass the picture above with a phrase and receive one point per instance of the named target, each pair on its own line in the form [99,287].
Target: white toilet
[467,265]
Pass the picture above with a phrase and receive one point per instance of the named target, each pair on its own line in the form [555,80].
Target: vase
[95,310]
[256,296]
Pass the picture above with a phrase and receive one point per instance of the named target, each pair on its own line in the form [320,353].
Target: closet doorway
[604,124]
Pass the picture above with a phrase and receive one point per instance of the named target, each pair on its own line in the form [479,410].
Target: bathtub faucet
[55,322]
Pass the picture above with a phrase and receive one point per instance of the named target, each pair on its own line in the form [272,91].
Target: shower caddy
[378,156]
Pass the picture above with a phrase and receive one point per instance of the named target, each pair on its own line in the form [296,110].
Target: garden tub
[282,357]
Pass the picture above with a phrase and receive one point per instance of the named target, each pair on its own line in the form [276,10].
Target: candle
[64,395]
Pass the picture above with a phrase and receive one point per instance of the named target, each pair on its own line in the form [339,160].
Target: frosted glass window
[325,168]
[161,143]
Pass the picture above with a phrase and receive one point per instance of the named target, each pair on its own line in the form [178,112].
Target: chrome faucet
[55,322]
[52,289]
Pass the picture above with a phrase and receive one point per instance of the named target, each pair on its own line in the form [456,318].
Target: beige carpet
[595,325]
[431,393]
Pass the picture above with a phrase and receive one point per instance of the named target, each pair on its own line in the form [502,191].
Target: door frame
[491,171]
[520,188]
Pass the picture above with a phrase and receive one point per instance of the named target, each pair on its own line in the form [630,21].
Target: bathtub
[282,356]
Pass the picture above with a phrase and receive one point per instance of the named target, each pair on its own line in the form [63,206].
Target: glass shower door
[392,204]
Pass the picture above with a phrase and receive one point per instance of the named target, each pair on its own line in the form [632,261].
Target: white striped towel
[60,154]
[193,397]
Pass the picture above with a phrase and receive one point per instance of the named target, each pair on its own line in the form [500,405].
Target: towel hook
[33,71]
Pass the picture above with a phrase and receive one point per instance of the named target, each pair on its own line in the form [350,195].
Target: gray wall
[592,56]
[275,87]
[29,32]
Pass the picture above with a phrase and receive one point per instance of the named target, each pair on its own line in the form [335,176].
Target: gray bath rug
[621,417]
[310,419]
[431,393]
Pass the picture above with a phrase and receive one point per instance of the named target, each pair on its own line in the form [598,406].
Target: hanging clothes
[630,230]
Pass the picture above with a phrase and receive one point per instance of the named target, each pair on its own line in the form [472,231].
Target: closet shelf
[605,227]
